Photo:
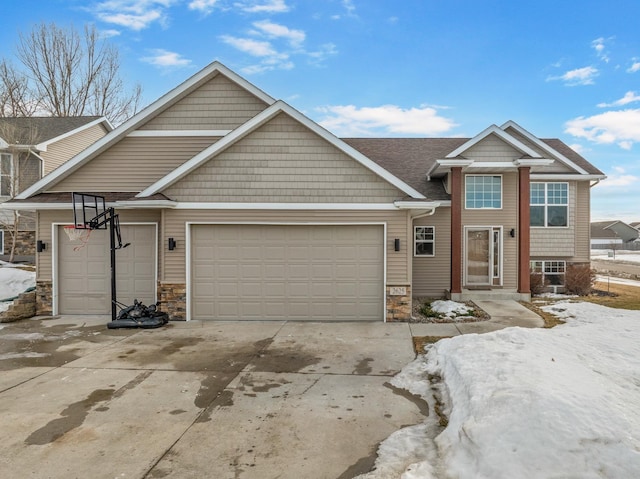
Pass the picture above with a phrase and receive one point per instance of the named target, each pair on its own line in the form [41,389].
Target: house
[237,206]
[607,234]
[31,147]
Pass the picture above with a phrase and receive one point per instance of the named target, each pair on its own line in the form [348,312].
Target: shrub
[535,283]
[579,279]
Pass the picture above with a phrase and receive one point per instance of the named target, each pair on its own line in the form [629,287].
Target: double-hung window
[6,168]
[553,272]
[424,241]
[549,204]
[483,192]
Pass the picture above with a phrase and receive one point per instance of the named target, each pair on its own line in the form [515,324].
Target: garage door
[294,272]
[84,276]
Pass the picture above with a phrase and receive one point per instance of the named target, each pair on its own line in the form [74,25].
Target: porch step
[494,295]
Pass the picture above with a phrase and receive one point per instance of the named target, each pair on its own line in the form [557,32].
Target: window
[6,162]
[483,191]
[549,204]
[424,241]
[1,241]
[552,271]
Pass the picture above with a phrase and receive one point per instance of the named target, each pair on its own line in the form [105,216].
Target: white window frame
[550,267]
[1,241]
[417,241]
[3,174]
[466,188]
[546,203]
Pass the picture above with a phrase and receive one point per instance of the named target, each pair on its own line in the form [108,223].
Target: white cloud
[204,6]
[255,48]
[263,6]
[164,58]
[635,66]
[325,51]
[578,148]
[628,97]
[133,14]
[599,46]
[349,120]
[274,30]
[579,76]
[619,179]
[109,33]
[621,127]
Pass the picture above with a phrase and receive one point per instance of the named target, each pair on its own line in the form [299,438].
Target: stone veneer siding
[173,300]
[25,243]
[398,305]
[44,298]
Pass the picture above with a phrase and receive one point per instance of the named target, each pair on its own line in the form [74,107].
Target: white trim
[43,146]
[495,130]
[188,254]
[1,241]
[135,121]
[148,204]
[3,144]
[419,205]
[285,206]
[533,163]
[55,300]
[259,120]
[565,177]
[163,133]
[541,144]
[491,229]
[433,241]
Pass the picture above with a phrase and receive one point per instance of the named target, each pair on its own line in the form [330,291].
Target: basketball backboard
[86,207]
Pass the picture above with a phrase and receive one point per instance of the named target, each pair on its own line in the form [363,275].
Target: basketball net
[78,234]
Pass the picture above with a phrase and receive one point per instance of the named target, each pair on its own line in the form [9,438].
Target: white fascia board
[256,122]
[285,206]
[132,123]
[142,204]
[170,133]
[43,146]
[533,163]
[566,177]
[494,130]
[492,165]
[420,205]
[541,144]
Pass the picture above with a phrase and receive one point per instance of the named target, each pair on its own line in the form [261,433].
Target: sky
[564,404]
[436,68]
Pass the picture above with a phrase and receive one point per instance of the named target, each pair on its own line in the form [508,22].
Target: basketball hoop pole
[107,217]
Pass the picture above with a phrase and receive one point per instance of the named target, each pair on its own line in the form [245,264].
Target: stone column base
[398,303]
[44,298]
[173,299]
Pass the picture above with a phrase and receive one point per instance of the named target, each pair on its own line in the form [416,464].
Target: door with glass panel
[482,256]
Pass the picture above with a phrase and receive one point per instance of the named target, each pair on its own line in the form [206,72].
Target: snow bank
[536,403]
[14,281]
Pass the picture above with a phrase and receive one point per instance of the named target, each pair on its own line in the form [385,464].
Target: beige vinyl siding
[59,152]
[134,163]
[492,148]
[29,171]
[555,167]
[283,161]
[559,242]
[47,217]
[432,274]
[582,224]
[219,104]
[174,225]
[507,217]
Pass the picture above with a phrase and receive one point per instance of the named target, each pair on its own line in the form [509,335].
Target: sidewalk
[503,314]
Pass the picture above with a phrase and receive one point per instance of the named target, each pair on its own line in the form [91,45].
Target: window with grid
[549,204]
[424,241]
[553,272]
[483,192]
[6,163]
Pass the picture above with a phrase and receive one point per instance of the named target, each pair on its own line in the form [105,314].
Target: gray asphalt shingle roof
[34,130]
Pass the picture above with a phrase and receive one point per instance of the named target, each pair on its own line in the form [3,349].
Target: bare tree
[15,97]
[74,74]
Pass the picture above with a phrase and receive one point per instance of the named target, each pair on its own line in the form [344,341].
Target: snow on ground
[534,403]
[14,281]
[615,280]
[622,255]
[450,309]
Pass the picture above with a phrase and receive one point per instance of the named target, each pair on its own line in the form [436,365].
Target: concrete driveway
[202,400]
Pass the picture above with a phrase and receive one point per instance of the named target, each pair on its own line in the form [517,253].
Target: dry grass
[419,342]
[619,296]
[549,319]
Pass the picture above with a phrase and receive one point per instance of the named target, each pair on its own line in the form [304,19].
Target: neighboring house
[612,233]
[31,147]
[237,206]
[636,225]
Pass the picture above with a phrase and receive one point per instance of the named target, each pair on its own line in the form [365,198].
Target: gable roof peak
[499,132]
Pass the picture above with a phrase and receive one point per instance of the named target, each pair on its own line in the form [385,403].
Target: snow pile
[14,281]
[450,309]
[535,403]
[621,255]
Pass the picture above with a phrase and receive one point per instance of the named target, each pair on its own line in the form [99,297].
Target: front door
[483,256]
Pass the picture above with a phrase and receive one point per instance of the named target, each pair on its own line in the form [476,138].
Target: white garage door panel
[84,276]
[329,272]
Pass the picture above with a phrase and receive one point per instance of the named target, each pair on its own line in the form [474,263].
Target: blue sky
[561,69]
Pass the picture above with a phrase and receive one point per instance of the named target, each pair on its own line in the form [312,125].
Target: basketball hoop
[76,233]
